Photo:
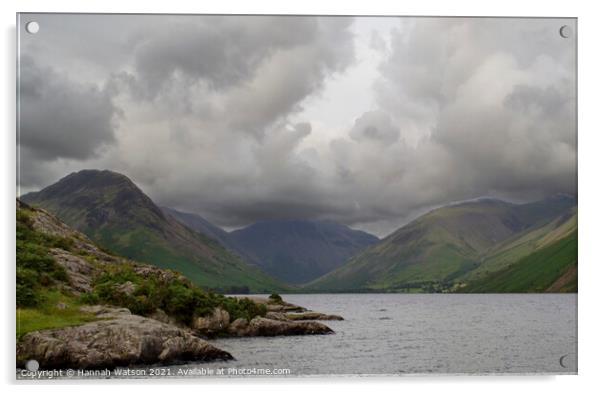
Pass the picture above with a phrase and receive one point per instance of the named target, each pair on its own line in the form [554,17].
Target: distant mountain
[201,225]
[298,251]
[432,252]
[114,212]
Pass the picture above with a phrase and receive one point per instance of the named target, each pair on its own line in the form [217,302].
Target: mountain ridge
[292,250]
[110,209]
[435,249]
[298,251]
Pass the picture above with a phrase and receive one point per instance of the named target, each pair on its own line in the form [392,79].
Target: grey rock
[302,316]
[79,270]
[218,321]
[126,288]
[313,316]
[277,316]
[260,326]
[117,339]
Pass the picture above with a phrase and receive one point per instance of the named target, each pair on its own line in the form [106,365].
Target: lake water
[420,333]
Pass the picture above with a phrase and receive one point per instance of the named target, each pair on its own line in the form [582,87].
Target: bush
[26,282]
[275,298]
[180,300]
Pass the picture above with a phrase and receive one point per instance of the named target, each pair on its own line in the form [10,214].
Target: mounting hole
[566,31]
[33,365]
[32,27]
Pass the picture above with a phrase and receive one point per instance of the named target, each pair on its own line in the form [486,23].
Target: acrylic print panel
[213,196]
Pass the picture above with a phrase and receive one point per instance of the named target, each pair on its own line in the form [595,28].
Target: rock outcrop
[80,271]
[213,324]
[117,339]
[260,326]
[303,316]
[274,324]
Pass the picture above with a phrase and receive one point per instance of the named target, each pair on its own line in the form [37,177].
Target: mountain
[110,209]
[199,224]
[536,260]
[432,252]
[298,251]
[59,269]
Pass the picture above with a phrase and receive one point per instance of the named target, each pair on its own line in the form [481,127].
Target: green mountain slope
[59,269]
[552,268]
[523,244]
[110,209]
[432,252]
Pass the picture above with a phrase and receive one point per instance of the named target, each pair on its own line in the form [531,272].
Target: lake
[418,334]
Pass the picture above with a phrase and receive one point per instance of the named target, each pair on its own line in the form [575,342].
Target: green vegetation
[36,270]
[521,245]
[122,286]
[55,311]
[44,300]
[449,247]
[40,302]
[536,272]
[274,297]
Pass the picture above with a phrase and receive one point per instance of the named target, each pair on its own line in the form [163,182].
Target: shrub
[26,282]
[180,300]
[275,298]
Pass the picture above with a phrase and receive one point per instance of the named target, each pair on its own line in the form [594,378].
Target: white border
[590,105]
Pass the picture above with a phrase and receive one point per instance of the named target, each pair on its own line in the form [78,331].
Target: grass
[36,269]
[49,315]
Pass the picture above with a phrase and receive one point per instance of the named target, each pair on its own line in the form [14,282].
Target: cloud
[61,118]
[227,117]
[485,107]
[375,126]
[239,73]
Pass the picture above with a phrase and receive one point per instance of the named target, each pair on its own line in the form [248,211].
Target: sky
[367,121]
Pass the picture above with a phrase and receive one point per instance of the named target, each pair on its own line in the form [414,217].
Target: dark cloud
[60,118]
[222,51]
[239,73]
[216,120]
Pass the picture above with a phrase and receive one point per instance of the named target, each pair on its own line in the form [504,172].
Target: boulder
[127,288]
[277,316]
[238,326]
[260,326]
[284,307]
[216,322]
[313,316]
[161,316]
[117,339]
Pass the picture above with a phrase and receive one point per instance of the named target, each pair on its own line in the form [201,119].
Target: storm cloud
[366,121]
[60,118]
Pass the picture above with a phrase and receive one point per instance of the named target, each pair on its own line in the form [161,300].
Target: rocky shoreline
[121,339]
[282,319]
[117,339]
